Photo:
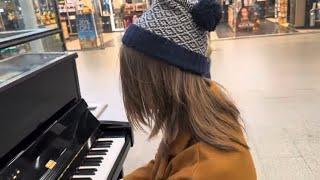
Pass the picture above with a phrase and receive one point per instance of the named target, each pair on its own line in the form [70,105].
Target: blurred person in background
[165,77]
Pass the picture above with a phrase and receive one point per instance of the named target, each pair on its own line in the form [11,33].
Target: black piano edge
[125,126]
[18,79]
[117,170]
[28,36]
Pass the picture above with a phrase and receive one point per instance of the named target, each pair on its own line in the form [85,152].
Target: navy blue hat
[176,32]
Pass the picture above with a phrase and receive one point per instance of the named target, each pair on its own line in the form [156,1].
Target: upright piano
[46,129]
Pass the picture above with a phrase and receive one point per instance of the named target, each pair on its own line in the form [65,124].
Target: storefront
[86,22]
[298,13]
[263,17]
[306,14]
[19,14]
[125,12]
[29,20]
[81,24]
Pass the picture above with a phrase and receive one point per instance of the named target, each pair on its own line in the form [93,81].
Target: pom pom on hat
[207,14]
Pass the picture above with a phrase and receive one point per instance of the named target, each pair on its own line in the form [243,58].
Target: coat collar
[167,152]
[179,144]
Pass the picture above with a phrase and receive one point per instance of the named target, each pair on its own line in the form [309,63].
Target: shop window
[27,14]
[264,17]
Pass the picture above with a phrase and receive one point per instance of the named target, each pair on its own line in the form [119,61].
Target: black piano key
[90,171]
[106,142]
[95,159]
[98,152]
[103,142]
[101,145]
[90,164]
[80,179]
[102,150]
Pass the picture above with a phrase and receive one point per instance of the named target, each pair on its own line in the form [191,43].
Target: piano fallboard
[44,83]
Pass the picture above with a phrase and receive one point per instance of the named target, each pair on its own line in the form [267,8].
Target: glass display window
[105,7]
[126,12]
[312,15]
[31,14]
[45,11]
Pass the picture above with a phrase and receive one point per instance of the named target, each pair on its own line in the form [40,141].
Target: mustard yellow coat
[198,161]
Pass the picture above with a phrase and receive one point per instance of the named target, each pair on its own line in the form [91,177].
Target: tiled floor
[274,81]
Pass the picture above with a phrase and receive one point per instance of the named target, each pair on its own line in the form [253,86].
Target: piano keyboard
[98,162]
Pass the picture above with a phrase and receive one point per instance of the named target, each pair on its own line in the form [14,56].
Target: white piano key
[104,139]
[95,156]
[84,176]
[88,167]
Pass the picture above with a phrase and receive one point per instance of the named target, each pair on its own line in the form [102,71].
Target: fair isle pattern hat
[176,32]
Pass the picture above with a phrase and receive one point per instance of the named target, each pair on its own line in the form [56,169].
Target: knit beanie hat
[176,32]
